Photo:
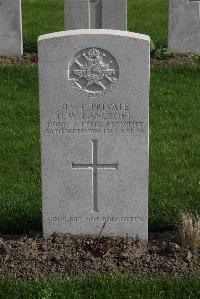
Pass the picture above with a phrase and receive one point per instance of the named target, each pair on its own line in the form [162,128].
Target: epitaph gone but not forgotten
[94,105]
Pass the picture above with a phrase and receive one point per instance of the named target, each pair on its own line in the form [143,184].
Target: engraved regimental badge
[93,72]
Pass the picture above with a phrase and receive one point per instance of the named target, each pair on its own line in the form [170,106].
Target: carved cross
[94,166]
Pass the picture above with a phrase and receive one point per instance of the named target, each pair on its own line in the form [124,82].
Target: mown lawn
[174,147]
[45,16]
[108,287]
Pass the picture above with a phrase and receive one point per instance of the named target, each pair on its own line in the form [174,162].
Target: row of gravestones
[184,22]
[94,120]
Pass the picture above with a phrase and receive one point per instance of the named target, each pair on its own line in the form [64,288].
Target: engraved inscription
[190,36]
[93,72]
[95,166]
[94,118]
[104,219]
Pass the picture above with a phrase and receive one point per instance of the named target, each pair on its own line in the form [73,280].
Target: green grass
[45,16]
[41,17]
[174,144]
[149,17]
[174,147]
[108,287]
[20,157]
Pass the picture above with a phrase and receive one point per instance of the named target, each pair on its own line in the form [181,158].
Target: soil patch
[32,58]
[34,257]
[27,59]
[176,60]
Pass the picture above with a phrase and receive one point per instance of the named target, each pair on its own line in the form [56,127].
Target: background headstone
[10,28]
[76,14]
[184,26]
[94,102]
[95,14]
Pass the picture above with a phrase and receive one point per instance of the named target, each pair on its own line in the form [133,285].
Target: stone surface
[184,26]
[76,14]
[96,14]
[94,102]
[10,28]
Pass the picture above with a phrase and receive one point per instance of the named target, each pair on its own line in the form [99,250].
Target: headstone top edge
[110,32]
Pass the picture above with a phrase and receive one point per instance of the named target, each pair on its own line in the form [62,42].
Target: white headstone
[94,103]
[10,28]
[95,14]
[184,26]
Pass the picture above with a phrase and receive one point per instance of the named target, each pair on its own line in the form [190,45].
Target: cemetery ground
[174,136]
[174,182]
[174,185]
